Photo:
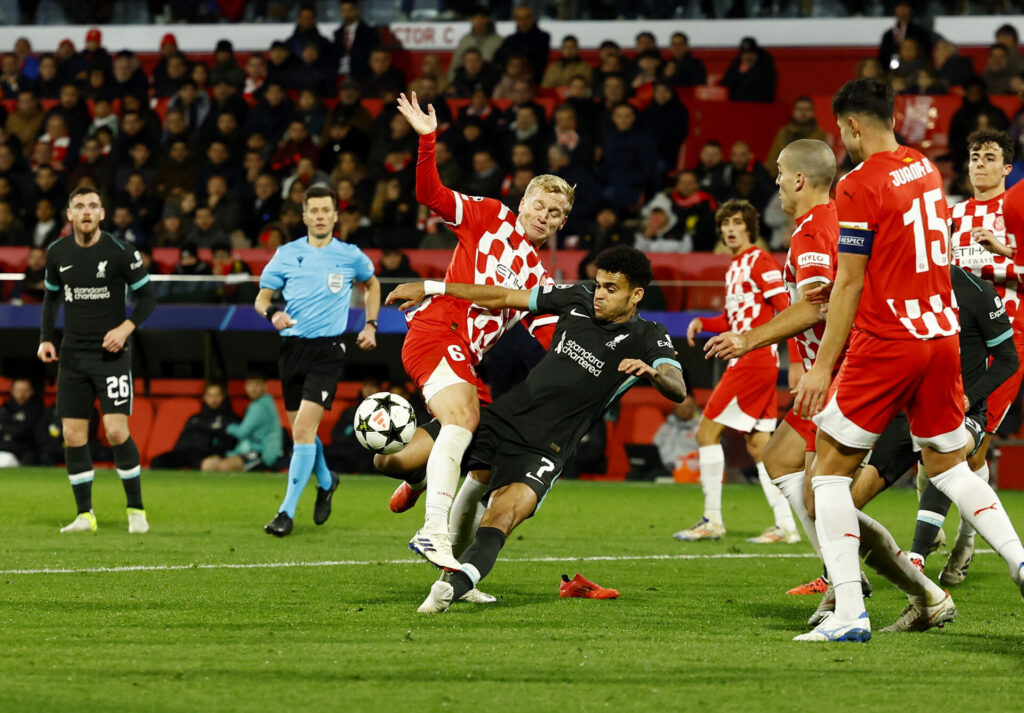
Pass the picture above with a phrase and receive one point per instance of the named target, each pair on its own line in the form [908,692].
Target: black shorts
[894,452]
[85,375]
[510,460]
[310,370]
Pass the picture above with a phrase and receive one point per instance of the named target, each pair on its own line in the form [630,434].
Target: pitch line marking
[366,563]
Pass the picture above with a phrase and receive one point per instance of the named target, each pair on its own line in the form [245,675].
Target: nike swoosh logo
[121,402]
[65,267]
[574,313]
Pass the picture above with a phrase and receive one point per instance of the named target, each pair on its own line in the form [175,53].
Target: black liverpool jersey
[984,326]
[579,377]
[93,282]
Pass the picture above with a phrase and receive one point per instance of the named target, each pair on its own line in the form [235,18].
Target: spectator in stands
[177,173]
[144,207]
[909,61]
[350,110]
[517,69]
[310,73]
[657,231]
[12,80]
[677,436]
[951,67]
[742,162]
[204,434]
[312,112]
[205,232]
[73,110]
[473,74]
[265,207]
[588,192]
[47,227]
[567,133]
[50,80]
[528,40]
[19,418]
[48,185]
[218,162]
[928,82]
[385,81]
[176,129]
[170,231]
[393,213]
[193,104]
[485,178]
[28,64]
[351,167]
[65,54]
[427,92]
[306,32]
[999,76]
[1006,35]
[64,149]
[751,77]
[343,453]
[238,288]
[341,138]
[30,289]
[648,69]
[684,70]
[190,265]
[129,77]
[976,112]
[354,40]
[668,122]
[178,72]
[802,124]
[710,170]
[259,434]
[281,63]
[93,56]
[225,66]
[255,76]
[122,226]
[695,210]
[226,99]
[610,62]
[140,161]
[606,231]
[296,145]
[12,231]
[629,162]
[526,129]
[905,27]
[271,114]
[394,268]
[103,117]
[26,120]
[161,79]
[226,210]
[481,37]
[353,227]
[568,65]
[614,91]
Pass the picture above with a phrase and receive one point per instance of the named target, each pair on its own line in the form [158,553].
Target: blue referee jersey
[317,284]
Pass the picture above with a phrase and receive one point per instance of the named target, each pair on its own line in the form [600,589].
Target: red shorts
[803,426]
[998,402]
[428,347]
[880,377]
[745,399]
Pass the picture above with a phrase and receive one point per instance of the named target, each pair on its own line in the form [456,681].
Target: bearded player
[745,398]
[893,289]
[448,336]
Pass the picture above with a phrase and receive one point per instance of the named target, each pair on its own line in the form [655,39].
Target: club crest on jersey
[612,344]
[101,269]
[68,296]
[335,281]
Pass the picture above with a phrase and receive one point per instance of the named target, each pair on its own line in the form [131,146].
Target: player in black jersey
[601,347]
[91,271]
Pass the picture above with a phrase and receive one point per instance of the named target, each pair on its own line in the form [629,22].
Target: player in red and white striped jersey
[893,288]
[806,170]
[744,399]
[448,337]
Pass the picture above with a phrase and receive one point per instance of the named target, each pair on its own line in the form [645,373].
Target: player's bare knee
[707,434]
[118,434]
[467,417]
[75,435]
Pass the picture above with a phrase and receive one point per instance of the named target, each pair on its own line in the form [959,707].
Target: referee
[315,274]
[92,270]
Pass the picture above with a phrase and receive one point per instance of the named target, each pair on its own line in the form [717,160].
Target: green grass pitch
[205,623]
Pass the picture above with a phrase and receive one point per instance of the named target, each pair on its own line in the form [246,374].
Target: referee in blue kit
[315,274]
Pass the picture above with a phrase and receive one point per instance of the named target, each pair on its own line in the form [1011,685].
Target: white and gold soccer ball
[384,423]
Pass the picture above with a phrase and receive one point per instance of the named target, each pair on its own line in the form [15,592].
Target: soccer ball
[384,423]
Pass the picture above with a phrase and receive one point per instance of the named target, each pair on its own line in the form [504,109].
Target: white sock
[443,469]
[776,500]
[981,507]
[465,515]
[712,470]
[881,552]
[839,535]
[792,487]
[966,530]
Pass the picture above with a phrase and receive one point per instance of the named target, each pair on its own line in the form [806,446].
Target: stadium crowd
[217,155]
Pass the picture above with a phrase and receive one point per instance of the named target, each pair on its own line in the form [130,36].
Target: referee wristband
[271,311]
[433,287]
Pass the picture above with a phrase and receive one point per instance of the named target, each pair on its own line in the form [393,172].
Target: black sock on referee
[925,532]
[126,459]
[79,462]
[481,556]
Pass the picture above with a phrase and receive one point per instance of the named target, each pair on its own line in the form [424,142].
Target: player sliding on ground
[745,398]
[448,336]
[601,348]
[893,287]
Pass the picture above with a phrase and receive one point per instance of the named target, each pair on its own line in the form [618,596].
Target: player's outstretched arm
[487,296]
[666,378]
[798,317]
[422,122]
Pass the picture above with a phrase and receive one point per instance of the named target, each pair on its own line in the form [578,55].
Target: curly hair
[992,136]
[627,261]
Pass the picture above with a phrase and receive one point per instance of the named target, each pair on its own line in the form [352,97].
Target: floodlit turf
[211,632]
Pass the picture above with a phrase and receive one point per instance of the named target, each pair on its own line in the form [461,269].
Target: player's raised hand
[811,392]
[691,331]
[988,240]
[422,122]
[819,295]
[727,345]
[410,293]
[47,352]
[638,368]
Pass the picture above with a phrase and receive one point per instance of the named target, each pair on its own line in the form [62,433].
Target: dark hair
[571,37]
[864,96]
[992,136]
[1008,29]
[713,142]
[683,35]
[81,191]
[319,192]
[737,205]
[627,261]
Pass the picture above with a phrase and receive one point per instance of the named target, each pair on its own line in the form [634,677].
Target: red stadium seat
[638,424]
[171,416]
